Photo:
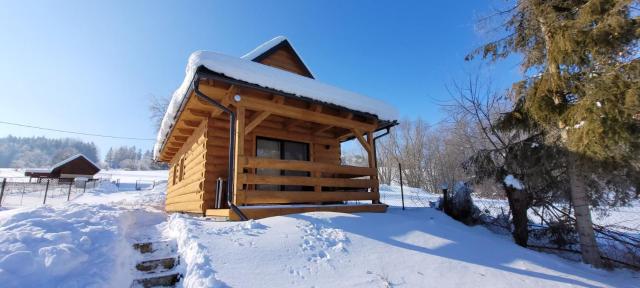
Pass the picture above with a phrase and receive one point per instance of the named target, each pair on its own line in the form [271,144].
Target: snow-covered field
[87,243]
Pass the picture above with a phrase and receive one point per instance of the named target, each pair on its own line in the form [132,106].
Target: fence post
[22,196]
[46,190]
[84,188]
[4,182]
[401,185]
[69,194]
[445,200]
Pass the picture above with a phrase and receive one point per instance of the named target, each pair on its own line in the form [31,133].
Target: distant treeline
[131,158]
[42,152]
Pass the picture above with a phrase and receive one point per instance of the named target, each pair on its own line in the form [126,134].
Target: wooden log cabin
[258,136]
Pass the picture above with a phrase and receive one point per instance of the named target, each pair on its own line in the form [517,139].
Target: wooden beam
[261,116]
[198,112]
[192,123]
[313,107]
[185,131]
[361,139]
[302,114]
[180,139]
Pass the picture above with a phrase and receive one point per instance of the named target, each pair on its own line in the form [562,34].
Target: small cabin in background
[77,166]
[258,136]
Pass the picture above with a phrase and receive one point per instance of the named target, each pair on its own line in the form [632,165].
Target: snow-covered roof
[268,77]
[38,170]
[59,164]
[266,46]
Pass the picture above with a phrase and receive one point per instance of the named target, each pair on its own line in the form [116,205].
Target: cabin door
[284,150]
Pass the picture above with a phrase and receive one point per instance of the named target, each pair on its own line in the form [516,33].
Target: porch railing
[330,182]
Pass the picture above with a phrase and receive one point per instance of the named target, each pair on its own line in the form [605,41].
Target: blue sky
[92,66]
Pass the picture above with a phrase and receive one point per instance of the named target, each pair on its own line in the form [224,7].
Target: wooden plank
[257,162]
[217,213]
[283,197]
[262,212]
[308,181]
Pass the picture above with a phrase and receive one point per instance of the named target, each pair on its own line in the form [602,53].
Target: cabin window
[181,169]
[284,150]
[175,174]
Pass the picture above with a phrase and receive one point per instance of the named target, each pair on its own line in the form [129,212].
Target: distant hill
[35,152]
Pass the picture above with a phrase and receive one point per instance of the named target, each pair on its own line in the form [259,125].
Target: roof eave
[204,73]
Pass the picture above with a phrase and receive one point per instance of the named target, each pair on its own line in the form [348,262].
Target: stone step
[150,247]
[169,280]
[158,265]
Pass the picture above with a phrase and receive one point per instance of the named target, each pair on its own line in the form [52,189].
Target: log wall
[186,185]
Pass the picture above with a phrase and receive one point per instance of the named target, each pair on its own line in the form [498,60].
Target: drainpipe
[375,152]
[232,141]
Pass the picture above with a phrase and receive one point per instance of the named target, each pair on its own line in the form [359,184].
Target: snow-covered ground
[20,191]
[87,243]
[623,217]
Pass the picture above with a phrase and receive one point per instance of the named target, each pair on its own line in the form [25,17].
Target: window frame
[282,154]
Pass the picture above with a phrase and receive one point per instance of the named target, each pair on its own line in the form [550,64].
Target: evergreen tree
[582,90]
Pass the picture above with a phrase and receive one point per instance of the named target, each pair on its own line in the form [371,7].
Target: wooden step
[217,213]
[150,247]
[158,265]
[257,212]
[169,280]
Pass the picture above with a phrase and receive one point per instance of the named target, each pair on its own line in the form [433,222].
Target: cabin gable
[283,56]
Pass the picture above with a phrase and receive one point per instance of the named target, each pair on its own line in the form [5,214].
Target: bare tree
[157,109]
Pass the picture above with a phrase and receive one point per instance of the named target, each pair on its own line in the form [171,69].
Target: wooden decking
[257,212]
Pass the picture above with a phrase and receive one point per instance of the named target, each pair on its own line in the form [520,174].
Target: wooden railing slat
[255,162]
[283,197]
[308,181]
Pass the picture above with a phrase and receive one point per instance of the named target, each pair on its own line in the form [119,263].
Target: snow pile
[268,77]
[70,247]
[512,181]
[198,271]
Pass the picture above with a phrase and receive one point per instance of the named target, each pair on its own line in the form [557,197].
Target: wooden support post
[315,174]
[4,183]
[46,190]
[239,149]
[401,185]
[372,164]
[69,193]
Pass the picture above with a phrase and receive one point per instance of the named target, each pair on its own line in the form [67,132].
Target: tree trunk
[584,224]
[518,205]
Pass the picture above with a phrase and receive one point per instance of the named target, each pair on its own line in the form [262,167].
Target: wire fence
[21,191]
